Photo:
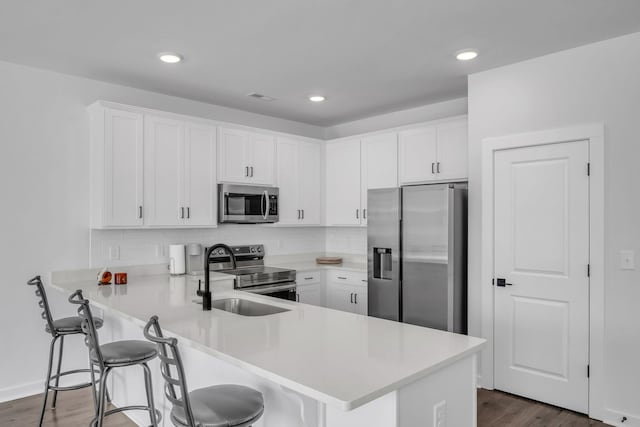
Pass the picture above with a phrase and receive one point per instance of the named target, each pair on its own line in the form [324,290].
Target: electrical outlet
[627,260]
[440,414]
[114,253]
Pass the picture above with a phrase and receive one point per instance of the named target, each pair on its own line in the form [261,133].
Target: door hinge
[588,270]
[588,371]
[588,168]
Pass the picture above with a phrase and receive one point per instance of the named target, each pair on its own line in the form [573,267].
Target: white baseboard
[21,390]
[615,419]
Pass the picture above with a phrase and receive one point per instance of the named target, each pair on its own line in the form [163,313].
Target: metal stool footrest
[127,408]
[70,387]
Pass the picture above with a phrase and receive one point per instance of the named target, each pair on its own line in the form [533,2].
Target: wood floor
[501,409]
[75,408]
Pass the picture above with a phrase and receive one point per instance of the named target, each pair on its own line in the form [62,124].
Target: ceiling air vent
[261,96]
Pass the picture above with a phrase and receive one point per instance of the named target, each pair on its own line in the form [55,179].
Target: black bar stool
[219,405]
[112,355]
[58,330]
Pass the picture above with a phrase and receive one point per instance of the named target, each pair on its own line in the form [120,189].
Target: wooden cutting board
[329,260]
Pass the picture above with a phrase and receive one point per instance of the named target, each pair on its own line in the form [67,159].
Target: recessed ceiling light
[466,55]
[170,57]
[316,98]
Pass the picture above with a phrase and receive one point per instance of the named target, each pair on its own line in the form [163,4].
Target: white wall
[44,220]
[597,83]
[425,113]
[152,246]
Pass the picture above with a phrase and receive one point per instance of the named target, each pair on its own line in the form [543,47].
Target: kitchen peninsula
[315,366]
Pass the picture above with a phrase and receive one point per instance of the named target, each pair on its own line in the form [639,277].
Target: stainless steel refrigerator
[417,255]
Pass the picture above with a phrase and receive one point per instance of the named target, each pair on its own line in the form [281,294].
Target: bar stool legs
[47,381]
[55,390]
[102,398]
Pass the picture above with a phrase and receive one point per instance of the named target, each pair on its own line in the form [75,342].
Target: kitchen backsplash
[129,247]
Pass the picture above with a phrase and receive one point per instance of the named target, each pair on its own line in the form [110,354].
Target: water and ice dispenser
[382,265]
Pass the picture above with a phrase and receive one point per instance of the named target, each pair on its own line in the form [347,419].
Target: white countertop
[338,358]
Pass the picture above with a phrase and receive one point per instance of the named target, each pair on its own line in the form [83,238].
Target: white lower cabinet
[310,288]
[347,291]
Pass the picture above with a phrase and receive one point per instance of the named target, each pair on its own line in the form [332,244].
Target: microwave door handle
[266,198]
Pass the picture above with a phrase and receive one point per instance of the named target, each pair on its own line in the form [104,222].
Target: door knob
[502,283]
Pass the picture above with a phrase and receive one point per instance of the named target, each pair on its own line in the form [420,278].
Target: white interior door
[541,226]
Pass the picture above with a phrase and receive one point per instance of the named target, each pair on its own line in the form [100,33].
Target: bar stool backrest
[43,303]
[88,326]
[175,387]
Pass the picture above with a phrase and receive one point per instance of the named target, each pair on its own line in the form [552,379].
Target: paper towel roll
[176,259]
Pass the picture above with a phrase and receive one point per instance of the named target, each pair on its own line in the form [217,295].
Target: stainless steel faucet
[206,293]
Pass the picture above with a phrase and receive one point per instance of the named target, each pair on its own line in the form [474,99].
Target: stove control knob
[253,250]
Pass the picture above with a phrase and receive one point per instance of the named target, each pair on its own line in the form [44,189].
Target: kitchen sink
[245,307]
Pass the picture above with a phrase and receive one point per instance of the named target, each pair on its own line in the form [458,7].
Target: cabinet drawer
[348,277]
[307,277]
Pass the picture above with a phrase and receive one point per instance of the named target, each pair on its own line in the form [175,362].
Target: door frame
[594,134]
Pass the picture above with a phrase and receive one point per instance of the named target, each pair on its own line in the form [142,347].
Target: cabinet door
[262,154]
[343,183]
[123,166]
[360,301]
[452,151]
[233,155]
[379,165]
[309,172]
[199,197]
[288,181]
[163,171]
[310,294]
[340,297]
[417,149]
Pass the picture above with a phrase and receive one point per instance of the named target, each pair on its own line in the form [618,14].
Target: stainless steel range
[251,273]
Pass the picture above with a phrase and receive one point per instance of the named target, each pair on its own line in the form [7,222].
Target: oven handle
[276,288]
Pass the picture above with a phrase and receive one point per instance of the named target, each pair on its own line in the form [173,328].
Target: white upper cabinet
[452,151]
[180,188]
[151,170]
[200,190]
[163,171]
[352,168]
[116,168]
[418,155]
[433,153]
[246,157]
[298,178]
[379,165]
[343,187]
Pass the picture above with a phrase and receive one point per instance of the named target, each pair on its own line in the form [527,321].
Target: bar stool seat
[70,325]
[125,353]
[215,406]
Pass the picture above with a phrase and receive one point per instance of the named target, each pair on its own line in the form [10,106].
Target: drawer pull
[308,278]
[342,278]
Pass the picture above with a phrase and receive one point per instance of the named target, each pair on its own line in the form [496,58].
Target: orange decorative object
[120,278]
[104,277]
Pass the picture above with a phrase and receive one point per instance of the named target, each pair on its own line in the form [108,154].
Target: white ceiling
[367,56]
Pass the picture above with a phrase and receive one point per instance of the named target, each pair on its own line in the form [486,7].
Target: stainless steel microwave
[247,204]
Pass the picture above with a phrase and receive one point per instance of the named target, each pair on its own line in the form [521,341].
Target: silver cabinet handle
[246,171]
[438,167]
[355,298]
[302,213]
[351,298]
[357,213]
[364,214]
[308,278]
[298,213]
[251,167]
[342,278]
[297,297]
[433,166]
[188,212]
[182,212]
[140,212]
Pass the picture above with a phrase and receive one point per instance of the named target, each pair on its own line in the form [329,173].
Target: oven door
[247,204]
[285,290]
